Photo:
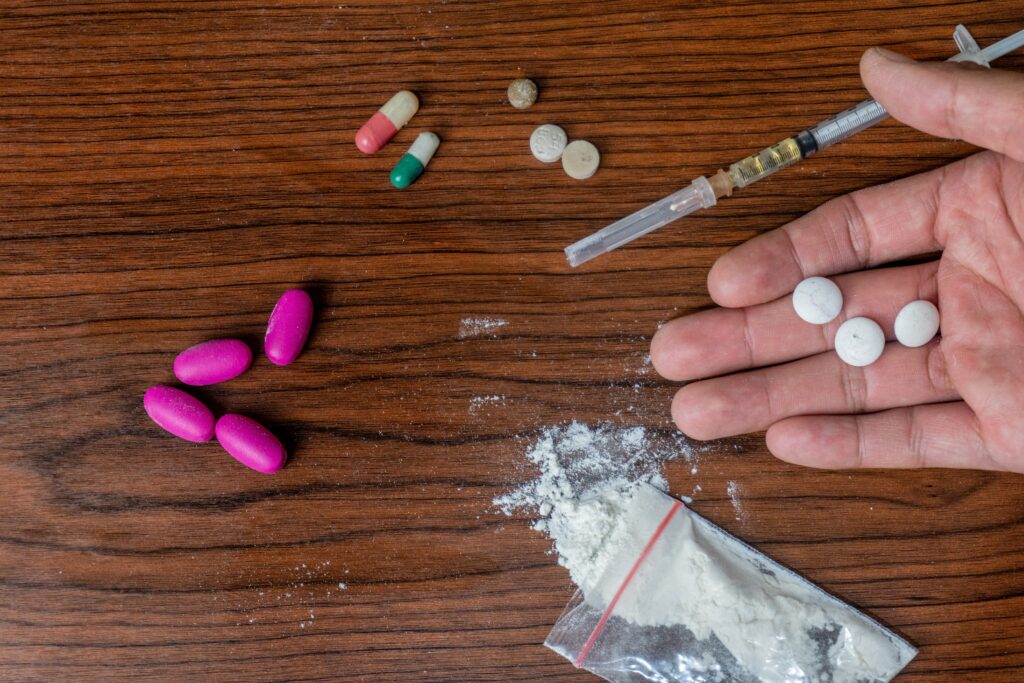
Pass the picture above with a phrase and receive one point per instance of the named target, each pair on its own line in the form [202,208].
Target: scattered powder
[475,327]
[638,363]
[478,402]
[733,489]
[311,584]
[587,475]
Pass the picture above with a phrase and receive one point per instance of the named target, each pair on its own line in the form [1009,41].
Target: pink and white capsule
[250,443]
[179,413]
[288,327]
[388,120]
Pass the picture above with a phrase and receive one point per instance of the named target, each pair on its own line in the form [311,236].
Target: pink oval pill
[288,327]
[217,360]
[179,413]
[250,443]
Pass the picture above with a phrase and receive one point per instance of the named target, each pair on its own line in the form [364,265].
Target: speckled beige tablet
[522,93]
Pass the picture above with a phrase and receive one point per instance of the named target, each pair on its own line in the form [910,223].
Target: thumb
[983,107]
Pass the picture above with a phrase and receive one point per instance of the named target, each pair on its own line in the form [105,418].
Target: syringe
[703,192]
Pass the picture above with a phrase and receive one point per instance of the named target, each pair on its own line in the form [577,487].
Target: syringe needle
[697,195]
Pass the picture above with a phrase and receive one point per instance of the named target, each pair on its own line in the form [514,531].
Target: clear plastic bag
[683,601]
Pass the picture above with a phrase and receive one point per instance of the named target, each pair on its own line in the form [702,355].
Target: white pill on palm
[917,323]
[859,341]
[817,300]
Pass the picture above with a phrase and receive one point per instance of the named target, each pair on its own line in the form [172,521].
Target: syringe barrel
[769,160]
[847,123]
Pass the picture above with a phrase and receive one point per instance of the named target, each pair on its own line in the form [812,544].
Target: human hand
[955,402]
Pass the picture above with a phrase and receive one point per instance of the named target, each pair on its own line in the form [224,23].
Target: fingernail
[891,56]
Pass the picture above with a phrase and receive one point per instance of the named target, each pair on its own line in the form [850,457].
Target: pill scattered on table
[817,300]
[217,360]
[917,323]
[413,162]
[547,142]
[522,93]
[580,159]
[388,120]
[250,443]
[859,341]
[179,413]
[288,327]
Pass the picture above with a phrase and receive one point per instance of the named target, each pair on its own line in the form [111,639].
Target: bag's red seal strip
[625,582]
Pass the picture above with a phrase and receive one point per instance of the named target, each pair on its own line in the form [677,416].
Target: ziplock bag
[683,601]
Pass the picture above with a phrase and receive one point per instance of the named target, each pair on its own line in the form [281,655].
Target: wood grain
[167,168]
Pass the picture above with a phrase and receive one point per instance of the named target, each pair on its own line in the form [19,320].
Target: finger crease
[766,388]
[857,230]
[794,253]
[952,118]
[854,386]
[915,438]
[859,435]
[938,375]
[748,338]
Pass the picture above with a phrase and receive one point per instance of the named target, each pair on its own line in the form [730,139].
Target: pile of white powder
[596,495]
[580,497]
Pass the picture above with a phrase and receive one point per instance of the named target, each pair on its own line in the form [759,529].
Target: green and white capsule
[412,164]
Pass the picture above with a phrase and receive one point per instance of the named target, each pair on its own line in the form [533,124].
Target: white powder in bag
[598,496]
[776,625]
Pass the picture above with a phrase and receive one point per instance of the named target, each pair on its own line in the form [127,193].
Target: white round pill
[580,159]
[859,341]
[547,143]
[817,300]
[917,323]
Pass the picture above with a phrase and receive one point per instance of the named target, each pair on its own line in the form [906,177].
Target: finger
[866,228]
[823,384]
[984,107]
[939,435]
[725,340]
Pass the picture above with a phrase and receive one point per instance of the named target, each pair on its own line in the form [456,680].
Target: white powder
[775,624]
[733,489]
[474,327]
[596,488]
[580,497]
[478,402]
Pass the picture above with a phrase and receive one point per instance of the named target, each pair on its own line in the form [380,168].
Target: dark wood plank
[168,168]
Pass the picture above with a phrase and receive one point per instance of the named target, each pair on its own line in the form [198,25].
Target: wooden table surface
[168,168]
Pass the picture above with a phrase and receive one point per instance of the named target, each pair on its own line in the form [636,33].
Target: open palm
[956,402]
